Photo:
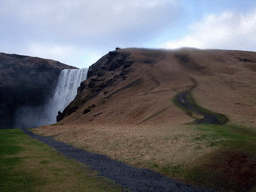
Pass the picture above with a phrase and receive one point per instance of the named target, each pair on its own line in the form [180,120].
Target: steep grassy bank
[29,165]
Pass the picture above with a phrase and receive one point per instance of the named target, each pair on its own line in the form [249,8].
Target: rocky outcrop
[110,62]
[25,81]
[99,78]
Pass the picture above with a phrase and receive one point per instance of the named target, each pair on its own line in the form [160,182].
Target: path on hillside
[133,178]
[185,101]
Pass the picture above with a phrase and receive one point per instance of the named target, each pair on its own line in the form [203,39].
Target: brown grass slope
[133,86]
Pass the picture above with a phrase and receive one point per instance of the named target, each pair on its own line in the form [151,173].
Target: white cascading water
[66,90]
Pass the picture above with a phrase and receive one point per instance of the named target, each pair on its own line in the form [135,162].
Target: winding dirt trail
[185,101]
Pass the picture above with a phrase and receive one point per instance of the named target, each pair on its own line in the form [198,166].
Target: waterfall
[66,90]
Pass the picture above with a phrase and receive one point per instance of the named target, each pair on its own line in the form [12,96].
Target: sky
[79,32]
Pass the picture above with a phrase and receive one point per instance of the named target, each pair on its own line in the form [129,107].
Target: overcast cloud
[81,31]
[227,30]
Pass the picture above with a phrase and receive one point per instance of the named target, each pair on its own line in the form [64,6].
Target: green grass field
[29,165]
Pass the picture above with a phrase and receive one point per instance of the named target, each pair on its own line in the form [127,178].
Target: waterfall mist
[66,90]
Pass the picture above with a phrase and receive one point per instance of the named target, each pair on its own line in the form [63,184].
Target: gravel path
[133,178]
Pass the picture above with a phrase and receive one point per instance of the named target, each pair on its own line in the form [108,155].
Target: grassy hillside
[134,86]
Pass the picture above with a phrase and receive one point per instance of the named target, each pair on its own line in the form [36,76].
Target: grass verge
[29,165]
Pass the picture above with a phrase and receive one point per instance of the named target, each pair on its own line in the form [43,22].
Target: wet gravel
[135,179]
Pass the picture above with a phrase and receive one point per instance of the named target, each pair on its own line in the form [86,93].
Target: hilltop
[134,86]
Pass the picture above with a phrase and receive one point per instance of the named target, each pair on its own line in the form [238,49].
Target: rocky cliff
[24,81]
[138,86]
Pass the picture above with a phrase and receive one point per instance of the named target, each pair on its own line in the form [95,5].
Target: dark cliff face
[25,81]
[111,74]
[110,62]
